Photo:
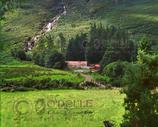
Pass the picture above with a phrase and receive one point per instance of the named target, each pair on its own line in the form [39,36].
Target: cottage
[77,64]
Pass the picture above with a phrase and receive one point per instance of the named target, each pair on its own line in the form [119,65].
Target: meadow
[57,108]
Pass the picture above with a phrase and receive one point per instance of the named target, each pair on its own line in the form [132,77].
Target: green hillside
[21,23]
[139,17]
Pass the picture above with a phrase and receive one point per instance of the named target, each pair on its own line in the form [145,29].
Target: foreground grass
[55,108]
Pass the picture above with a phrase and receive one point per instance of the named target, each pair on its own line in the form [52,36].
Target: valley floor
[61,108]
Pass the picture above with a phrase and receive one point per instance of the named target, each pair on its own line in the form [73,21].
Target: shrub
[115,71]
[32,84]
[109,124]
[38,58]
[29,56]
[18,53]
[56,60]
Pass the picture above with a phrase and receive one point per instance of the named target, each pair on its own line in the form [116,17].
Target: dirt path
[88,78]
[31,42]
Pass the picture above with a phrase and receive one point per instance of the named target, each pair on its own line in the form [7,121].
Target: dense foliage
[76,48]
[105,45]
[141,82]
[115,71]
[6,5]
[30,77]
[46,55]
[97,43]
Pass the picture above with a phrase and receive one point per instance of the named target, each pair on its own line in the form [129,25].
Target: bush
[115,71]
[56,60]
[39,58]
[29,56]
[109,124]
[33,84]
[18,53]
[51,59]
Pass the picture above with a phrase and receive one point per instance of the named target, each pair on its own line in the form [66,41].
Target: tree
[96,44]
[49,42]
[62,43]
[55,60]
[76,48]
[119,48]
[18,53]
[115,71]
[141,81]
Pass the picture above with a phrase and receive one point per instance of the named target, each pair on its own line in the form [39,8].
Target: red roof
[77,63]
[97,65]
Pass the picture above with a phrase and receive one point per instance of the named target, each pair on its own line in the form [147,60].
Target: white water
[47,28]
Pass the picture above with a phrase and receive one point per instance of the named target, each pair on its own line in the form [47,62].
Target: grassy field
[61,108]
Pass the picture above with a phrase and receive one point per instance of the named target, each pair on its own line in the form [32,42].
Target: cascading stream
[31,42]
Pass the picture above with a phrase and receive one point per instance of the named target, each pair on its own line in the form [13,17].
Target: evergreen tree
[141,80]
[62,43]
[76,48]
[96,44]
[119,48]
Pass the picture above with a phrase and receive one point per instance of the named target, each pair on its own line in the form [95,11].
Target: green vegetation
[43,109]
[46,55]
[22,23]
[121,35]
[101,78]
[76,48]
[141,82]
[115,71]
[137,16]
[103,45]
[34,77]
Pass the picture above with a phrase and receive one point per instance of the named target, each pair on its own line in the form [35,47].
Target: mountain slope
[22,23]
[140,17]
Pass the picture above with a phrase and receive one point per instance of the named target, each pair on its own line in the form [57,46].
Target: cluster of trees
[141,82]
[46,55]
[76,48]
[102,45]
